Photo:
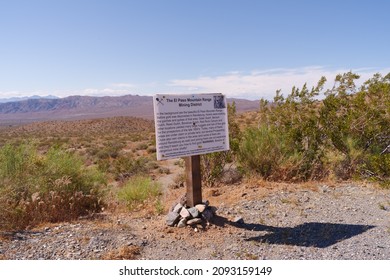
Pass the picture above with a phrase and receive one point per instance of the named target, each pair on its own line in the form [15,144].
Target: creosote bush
[346,135]
[213,164]
[50,187]
[268,153]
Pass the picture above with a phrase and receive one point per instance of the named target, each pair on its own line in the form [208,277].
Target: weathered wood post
[193,180]
[190,125]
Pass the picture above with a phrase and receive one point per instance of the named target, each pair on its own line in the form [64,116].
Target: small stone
[184,213]
[194,221]
[239,220]
[196,229]
[200,207]
[194,212]
[172,218]
[177,208]
[182,223]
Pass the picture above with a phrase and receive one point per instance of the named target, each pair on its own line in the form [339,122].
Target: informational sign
[188,125]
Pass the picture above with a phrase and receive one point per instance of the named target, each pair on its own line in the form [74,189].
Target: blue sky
[243,48]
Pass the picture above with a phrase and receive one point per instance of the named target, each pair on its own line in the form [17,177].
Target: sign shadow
[312,234]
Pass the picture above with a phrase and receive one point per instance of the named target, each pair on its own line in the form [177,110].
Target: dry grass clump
[124,253]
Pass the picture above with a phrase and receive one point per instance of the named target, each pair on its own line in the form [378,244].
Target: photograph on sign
[191,124]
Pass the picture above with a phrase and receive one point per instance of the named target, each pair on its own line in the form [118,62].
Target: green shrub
[141,146]
[52,187]
[357,123]
[267,152]
[343,136]
[111,149]
[126,166]
[377,167]
[151,149]
[213,164]
[138,190]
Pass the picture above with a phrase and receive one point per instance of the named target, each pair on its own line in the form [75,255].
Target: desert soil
[255,220]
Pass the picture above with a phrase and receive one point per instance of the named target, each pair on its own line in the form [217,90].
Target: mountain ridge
[16,99]
[87,107]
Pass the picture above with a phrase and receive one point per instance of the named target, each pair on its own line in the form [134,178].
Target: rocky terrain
[255,220]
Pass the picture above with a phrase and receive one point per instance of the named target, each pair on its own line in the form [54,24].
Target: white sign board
[189,125]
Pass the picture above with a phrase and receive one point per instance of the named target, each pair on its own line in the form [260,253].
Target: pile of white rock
[180,215]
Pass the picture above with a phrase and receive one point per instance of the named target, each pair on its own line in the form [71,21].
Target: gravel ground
[346,221]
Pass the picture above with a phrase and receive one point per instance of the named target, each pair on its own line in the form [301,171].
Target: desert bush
[289,135]
[357,124]
[141,146]
[137,191]
[47,187]
[111,149]
[347,134]
[267,152]
[213,164]
[127,165]
[151,149]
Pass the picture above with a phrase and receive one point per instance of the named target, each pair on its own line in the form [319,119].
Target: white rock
[200,207]
[184,213]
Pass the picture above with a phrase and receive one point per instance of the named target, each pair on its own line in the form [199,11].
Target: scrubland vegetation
[53,187]
[58,171]
[345,135]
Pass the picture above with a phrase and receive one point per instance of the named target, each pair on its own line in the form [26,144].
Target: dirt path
[278,221]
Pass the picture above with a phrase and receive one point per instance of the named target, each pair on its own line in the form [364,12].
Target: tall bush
[347,134]
[213,164]
[49,187]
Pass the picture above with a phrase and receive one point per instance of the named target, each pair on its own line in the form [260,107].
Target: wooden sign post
[193,180]
[188,126]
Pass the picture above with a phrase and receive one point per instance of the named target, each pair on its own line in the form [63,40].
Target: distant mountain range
[87,107]
[14,99]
